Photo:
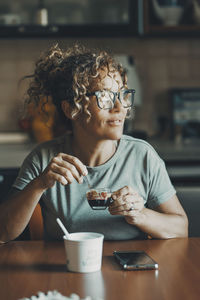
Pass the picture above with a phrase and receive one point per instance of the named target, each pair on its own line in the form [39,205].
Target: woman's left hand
[127,202]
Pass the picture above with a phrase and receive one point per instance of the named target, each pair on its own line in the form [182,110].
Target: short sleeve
[160,186]
[28,171]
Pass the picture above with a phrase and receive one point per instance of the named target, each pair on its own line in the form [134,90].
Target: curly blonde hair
[66,75]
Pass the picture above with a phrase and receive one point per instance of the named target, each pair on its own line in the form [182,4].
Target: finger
[124,207]
[131,209]
[62,166]
[120,193]
[76,162]
[123,192]
[128,202]
[57,177]
[121,201]
[134,202]
[116,203]
[130,213]
[74,172]
[139,204]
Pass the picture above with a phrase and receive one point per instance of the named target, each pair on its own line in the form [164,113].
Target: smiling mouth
[115,122]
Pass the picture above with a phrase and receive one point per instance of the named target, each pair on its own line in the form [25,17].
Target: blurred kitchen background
[158,41]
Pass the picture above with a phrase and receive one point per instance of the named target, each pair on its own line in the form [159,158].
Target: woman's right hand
[63,168]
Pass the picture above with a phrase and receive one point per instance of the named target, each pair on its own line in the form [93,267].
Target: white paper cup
[84,251]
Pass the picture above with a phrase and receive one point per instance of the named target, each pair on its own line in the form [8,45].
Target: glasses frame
[116,95]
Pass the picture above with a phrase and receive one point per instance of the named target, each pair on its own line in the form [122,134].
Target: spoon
[89,186]
[67,234]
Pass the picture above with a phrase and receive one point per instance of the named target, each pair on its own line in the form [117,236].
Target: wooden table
[27,267]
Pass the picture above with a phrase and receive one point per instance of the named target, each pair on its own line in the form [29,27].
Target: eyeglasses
[106,99]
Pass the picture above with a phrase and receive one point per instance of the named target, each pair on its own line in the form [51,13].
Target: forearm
[16,212]
[161,225]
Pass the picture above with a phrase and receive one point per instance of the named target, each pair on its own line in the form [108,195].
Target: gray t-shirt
[135,163]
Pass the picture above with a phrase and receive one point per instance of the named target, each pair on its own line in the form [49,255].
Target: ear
[66,109]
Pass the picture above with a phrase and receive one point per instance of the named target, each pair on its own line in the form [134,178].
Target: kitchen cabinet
[72,18]
[152,25]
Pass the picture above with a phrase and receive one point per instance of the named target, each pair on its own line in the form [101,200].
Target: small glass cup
[99,198]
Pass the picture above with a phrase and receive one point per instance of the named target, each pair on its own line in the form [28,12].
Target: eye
[127,97]
[105,96]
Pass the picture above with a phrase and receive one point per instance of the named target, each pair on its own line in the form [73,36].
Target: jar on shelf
[41,14]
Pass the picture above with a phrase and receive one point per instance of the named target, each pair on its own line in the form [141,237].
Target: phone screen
[135,260]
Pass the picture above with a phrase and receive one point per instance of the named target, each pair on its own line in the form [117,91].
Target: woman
[90,89]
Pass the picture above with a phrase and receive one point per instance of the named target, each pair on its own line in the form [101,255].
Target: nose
[117,105]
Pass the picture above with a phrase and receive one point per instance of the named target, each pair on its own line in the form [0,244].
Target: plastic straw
[67,234]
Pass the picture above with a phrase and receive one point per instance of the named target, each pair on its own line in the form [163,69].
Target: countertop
[170,151]
[13,155]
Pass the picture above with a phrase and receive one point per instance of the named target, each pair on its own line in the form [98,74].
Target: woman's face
[105,124]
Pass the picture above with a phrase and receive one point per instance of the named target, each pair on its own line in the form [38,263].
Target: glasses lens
[127,98]
[105,99]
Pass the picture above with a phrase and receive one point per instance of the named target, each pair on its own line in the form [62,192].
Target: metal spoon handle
[88,183]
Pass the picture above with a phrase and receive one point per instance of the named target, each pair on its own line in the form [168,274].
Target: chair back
[36,224]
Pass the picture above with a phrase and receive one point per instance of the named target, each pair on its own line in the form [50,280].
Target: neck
[93,152]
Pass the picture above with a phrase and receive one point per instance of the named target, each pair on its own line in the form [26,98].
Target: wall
[161,63]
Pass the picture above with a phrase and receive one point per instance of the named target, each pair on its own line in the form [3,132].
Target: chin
[115,135]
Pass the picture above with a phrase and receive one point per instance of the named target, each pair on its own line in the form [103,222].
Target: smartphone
[135,260]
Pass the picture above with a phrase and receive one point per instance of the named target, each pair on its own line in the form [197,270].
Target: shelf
[152,26]
[97,30]
[80,18]
[181,30]
[140,21]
